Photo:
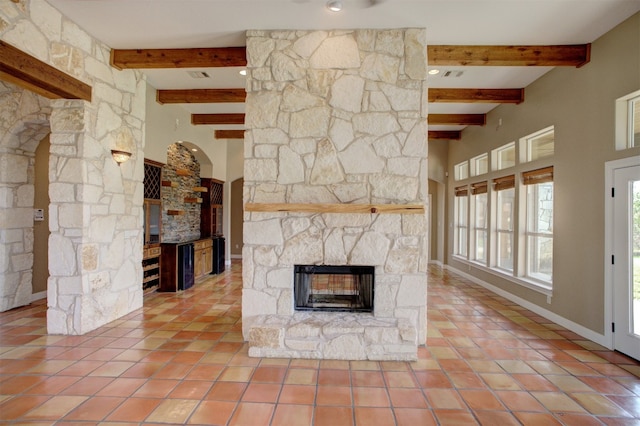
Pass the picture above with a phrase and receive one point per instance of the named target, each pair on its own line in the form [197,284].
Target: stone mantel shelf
[335,208]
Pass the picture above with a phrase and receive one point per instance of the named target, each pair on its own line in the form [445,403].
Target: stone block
[266,337]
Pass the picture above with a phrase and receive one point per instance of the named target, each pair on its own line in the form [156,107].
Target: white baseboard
[39,296]
[598,338]
[436,262]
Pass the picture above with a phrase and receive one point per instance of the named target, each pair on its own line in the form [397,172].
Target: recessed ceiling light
[434,72]
[334,5]
[194,149]
[243,72]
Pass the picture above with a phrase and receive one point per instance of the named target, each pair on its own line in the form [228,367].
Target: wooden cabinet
[203,258]
[151,267]
[211,208]
[177,266]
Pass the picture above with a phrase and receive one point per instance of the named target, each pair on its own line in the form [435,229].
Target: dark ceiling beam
[217,119]
[208,57]
[452,135]
[457,119]
[229,134]
[199,96]
[465,96]
[24,70]
[574,55]
[455,55]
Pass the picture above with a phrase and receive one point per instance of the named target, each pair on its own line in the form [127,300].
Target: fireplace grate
[333,288]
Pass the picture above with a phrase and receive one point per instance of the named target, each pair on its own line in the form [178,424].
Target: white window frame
[461,171]
[461,248]
[475,162]
[624,121]
[525,145]
[496,159]
[530,234]
[501,230]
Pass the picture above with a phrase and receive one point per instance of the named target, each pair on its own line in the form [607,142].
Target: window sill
[521,281]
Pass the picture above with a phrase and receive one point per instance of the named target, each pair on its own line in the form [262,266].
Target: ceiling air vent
[451,74]
[198,74]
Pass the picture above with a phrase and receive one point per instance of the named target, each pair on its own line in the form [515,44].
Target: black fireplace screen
[333,288]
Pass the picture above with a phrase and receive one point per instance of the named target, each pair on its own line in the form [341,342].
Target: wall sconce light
[120,156]
[334,5]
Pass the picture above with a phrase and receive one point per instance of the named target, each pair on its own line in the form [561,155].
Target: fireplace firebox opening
[333,288]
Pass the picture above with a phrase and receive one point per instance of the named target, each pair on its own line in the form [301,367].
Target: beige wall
[580,104]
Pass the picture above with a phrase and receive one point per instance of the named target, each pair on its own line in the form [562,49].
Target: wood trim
[197,119]
[501,96]
[504,182]
[335,208]
[542,175]
[479,188]
[154,163]
[460,119]
[30,73]
[208,57]
[229,134]
[454,135]
[461,191]
[528,55]
[193,96]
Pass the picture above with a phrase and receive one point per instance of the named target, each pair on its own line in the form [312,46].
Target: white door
[626,260]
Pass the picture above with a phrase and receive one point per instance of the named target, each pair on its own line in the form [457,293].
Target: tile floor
[181,360]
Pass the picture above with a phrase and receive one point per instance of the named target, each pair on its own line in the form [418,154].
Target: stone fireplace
[335,175]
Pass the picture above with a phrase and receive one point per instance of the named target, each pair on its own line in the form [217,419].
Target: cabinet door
[198,264]
[207,256]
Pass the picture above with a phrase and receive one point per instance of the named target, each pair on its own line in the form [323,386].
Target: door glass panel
[635,254]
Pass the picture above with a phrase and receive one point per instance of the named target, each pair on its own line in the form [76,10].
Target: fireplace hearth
[330,288]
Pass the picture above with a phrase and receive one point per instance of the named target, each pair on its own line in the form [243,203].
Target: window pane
[461,208]
[462,242]
[461,171]
[540,145]
[481,245]
[505,202]
[505,157]
[505,251]
[540,208]
[480,206]
[540,258]
[480,165]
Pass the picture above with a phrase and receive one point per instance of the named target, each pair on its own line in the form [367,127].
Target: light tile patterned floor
[181,360]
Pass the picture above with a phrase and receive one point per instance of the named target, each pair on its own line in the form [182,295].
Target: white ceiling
[129,24]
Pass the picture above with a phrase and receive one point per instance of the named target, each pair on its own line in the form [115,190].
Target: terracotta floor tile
[334,395]
[445,399]
[155,389]
[252,414]
[407,398]
[333,416]
[367,378]
[175,411]
[262,392]
[493,418]
[480,400]
[414,417]
[190,389]
[297,394]
[182,359]
[454,417]
[226,391]
[293,415]
[213,413]
[334,378]
[134,410]
[96,408]
[370,397]
[55,408]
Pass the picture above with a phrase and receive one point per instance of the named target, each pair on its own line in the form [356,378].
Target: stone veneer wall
[335,117]
[186,226]
[95,215]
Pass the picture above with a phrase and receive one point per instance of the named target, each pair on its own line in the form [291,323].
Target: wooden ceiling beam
[30,73]
[217,119]
[575,55]
[208,57]
[501,96]
[457,119]
[452,135]
[200,96]
[229,134]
